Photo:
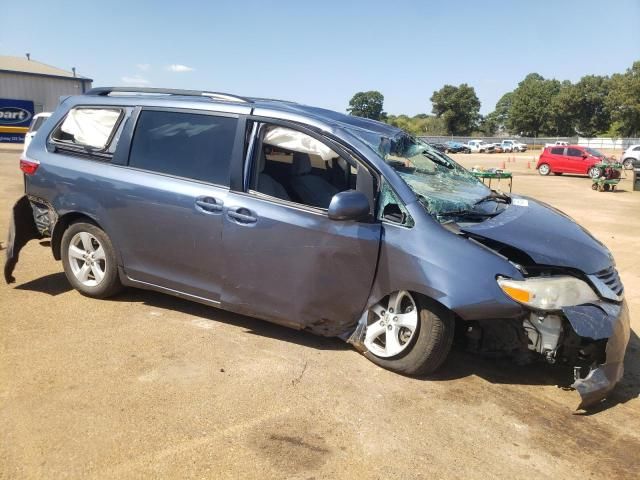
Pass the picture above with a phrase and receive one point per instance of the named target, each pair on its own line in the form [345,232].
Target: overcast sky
[322,52]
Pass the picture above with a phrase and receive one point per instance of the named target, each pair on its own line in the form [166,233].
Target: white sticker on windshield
[521,202]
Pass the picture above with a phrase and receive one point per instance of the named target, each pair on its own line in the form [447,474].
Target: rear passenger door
[557,160]
[167,204]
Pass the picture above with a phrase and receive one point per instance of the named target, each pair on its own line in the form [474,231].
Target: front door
[285,260]
[574,160]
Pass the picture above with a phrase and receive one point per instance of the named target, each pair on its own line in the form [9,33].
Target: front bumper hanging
[599,321]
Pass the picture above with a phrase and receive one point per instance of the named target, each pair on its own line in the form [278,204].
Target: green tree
[580,108]
[623,101]
[502,110]
[367,104]
[459,107]
[489,124]
[421,124]
[562,113]
[530,110]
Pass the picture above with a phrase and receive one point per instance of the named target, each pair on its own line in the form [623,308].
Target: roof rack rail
[106,91]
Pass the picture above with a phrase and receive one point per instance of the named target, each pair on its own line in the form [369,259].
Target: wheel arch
[61,226]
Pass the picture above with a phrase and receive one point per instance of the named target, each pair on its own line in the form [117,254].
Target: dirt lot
[147,385]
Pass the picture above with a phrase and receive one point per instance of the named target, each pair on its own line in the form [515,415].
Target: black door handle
[241,215]
[209,204]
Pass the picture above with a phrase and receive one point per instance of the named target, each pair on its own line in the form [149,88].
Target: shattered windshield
[444,188]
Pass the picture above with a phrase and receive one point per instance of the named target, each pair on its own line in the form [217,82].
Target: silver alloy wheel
[628,164]
[87,259]
[594,172]
[392,326]
[544,169]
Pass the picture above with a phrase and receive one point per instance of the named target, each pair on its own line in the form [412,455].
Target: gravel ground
[146,385]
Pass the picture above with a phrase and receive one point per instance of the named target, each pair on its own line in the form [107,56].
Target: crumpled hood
[547,235]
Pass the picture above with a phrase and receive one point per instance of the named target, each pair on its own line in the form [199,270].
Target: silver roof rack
[225,97]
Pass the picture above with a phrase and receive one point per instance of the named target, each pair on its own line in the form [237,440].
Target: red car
[569,159]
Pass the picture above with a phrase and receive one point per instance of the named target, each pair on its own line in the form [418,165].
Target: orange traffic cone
[529,165]
[503,165]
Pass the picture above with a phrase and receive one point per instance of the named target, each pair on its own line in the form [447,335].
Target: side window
[574,152]
[392,209]
[637,149]
[87,128]
[189,145]
[557,151]
[291,165]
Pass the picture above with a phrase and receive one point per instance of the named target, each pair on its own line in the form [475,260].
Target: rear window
[557,151]
[37,122]
[190,145]
[91,128]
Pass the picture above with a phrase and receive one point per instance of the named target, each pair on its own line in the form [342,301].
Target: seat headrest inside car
[301,164]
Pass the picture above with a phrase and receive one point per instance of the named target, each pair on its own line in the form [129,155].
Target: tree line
[595,105]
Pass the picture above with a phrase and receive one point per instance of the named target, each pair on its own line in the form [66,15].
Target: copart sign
[15,117]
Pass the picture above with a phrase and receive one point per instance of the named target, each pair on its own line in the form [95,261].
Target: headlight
[548,293]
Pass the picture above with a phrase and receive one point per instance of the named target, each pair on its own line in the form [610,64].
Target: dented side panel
[296,266]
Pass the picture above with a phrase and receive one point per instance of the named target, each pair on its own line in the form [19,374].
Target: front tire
[544,169]
[628,164]
[409,334]
[89,261]
[594,172]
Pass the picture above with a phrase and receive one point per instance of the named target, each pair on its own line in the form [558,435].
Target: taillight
[29,166]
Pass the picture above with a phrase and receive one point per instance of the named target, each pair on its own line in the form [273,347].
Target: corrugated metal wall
[45,92]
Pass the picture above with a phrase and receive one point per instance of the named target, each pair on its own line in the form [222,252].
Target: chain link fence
[540,142]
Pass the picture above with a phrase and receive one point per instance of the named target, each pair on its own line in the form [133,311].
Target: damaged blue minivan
[317,220]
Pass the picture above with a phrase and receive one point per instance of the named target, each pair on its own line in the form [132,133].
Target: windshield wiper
[436,159]
[494,196]
[461,213]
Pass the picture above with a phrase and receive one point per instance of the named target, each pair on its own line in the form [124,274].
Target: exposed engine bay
[590,335]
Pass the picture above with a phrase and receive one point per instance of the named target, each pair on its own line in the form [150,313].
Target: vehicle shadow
[52,284]
[251,325]
[459,364]
[503,370]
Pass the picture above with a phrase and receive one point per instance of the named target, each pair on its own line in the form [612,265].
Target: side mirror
[584,155]
[349,205]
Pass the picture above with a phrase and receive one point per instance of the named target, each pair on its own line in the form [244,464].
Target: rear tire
[89,261]
[628,163]
[428,346]
[544,169]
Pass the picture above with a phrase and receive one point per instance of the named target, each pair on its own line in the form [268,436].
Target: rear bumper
[612,322]
[22,229]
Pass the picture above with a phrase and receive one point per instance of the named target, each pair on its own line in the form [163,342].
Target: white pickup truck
[513,146]
[479,146]
[557,143]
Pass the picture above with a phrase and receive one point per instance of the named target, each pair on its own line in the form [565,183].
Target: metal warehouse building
[28,87]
